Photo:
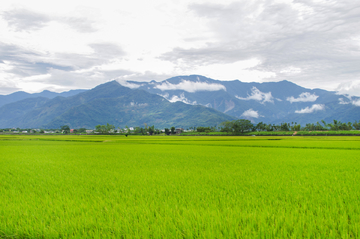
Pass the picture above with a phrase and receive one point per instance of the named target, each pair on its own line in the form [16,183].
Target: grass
[179,187]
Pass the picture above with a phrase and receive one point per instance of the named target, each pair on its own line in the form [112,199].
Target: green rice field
[179,187]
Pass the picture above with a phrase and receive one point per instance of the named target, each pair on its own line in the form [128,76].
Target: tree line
[242,125]
[235,126]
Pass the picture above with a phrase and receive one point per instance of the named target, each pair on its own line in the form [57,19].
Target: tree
[324,123]
[349,126]
[65,129]
[82,130]
[356,125]
[242,125]
[127,130]
[137,130]
[269,127]
[284,127]
[99,129]
[226,126]
[296,127]
[203,129]
[167,131]
[120,130]
[110,128]
[103,129]
[151,130]
[172,130]
[260,126]
[237,126]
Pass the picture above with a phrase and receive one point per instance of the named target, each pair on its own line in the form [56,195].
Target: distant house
[89,131]
[49,132]
[24,132]
[130,128]
[179,130]
[71,130]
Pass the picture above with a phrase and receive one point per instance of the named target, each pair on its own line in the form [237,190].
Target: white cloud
[350,88]
[356,102]
[222,39]
[291,70]
[190,86]
[343,102]
[352,101]
[258,95]
[129,84]
[176,98]
[300,40]
[313,108]
[231,71]
[250,113]
[303,97]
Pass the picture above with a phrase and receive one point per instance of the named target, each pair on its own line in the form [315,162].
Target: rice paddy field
[179,187]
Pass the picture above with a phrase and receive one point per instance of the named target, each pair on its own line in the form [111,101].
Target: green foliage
[203,129]
[82,130]
[285,127]
[127,129]
[105,129]
[356,125]
[151,130]
[187,187]
[237,126]
[231,126]
[65,129]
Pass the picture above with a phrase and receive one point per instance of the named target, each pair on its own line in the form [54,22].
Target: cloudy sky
[62,45]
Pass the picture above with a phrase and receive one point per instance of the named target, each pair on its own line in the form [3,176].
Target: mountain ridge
[270,102]
[21,95]
[115,104]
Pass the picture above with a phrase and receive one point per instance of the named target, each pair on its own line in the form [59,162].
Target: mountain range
[182,101]
[270,102]
[107,103]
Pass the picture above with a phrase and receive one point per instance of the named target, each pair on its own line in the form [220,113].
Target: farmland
[179,187]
